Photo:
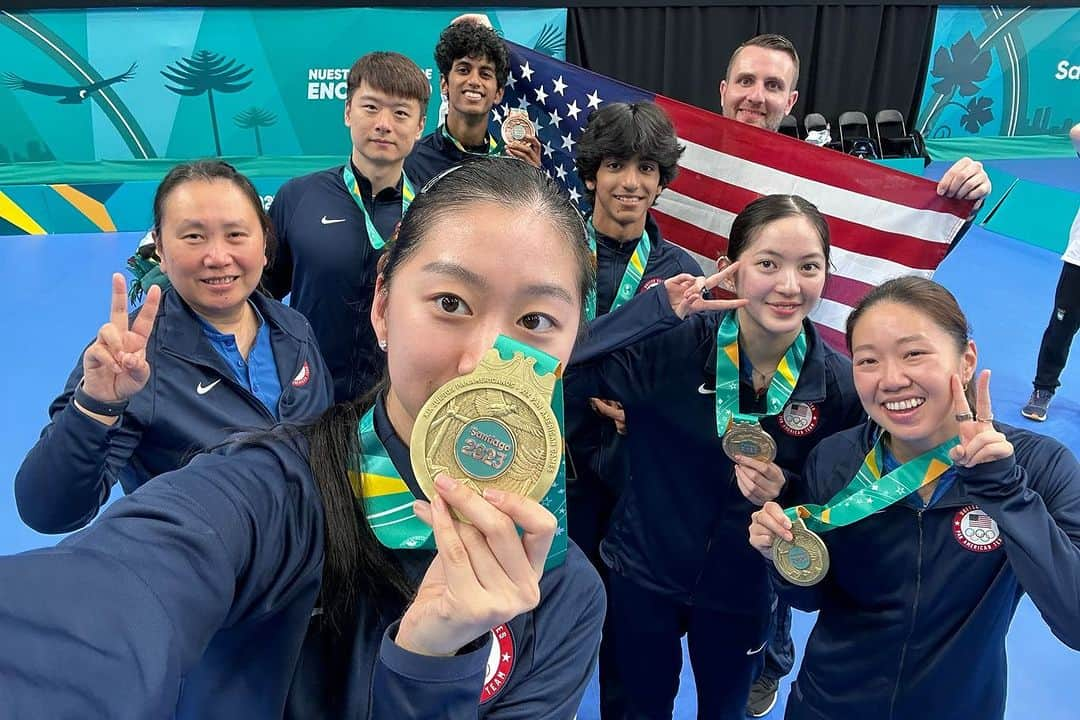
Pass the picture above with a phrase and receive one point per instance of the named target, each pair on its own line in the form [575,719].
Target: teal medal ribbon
[631,278]
[387,499]
[869,492]
[727,377]
[378,242]
[492,143]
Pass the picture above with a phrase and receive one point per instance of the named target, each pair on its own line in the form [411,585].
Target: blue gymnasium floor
[57,294]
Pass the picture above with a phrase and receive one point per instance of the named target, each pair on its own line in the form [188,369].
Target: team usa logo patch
[976,530]
[649,283]
[500,663]
[302,377]
[799,418]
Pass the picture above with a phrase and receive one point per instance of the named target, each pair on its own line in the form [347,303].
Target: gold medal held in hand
[493,428]
[749,440]
[805,560]
[517,126]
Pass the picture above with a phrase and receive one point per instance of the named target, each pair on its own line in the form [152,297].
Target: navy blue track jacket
[432,154]
[593,444]
[191,401]
[327,263]
[679,528]
[195,595]
[916,604]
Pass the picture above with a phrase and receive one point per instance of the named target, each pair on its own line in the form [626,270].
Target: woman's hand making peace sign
[114,366]
[980,442]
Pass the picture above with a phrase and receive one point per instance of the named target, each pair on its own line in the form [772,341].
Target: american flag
[884,223]
[979,520]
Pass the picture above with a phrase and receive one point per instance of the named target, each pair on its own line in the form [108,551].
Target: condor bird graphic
[69,95]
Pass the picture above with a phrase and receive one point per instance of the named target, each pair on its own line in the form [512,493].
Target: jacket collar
[179,331]
[812,379]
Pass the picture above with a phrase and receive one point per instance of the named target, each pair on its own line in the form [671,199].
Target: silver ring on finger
[988,418]
[964,417]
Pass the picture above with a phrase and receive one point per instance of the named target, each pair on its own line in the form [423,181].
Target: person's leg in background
[1056,341]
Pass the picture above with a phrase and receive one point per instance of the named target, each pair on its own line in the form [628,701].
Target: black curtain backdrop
[867,57]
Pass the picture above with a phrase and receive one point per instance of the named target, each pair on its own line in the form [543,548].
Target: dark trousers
[725,650]
[588,513]
[780,652]
[1064,322]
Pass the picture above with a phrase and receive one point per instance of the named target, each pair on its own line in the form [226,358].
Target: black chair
[855,135]
[789,126]
[893,137]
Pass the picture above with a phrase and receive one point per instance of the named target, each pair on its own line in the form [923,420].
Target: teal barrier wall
[184,83]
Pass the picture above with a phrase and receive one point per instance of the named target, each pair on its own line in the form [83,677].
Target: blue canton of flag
[559,97]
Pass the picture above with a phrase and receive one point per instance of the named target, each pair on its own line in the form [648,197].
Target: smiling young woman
[676,546]
[958,517]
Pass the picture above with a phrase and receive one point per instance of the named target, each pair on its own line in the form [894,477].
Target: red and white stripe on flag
[883,223]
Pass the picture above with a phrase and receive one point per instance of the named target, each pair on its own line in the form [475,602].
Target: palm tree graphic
[254,118]
[205,72]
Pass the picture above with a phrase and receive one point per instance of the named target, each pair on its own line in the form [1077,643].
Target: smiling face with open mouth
[903,366]
[471,87]
[625,190]
[212,247]
[759,89]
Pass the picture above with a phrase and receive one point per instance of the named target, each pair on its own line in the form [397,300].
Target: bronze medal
[749,440]
[805,560]
[493,428]
[517,126]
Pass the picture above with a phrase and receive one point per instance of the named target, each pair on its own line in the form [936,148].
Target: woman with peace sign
[207,357]
[936,520]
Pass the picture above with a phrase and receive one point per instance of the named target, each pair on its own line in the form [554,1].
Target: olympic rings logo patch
[975,530]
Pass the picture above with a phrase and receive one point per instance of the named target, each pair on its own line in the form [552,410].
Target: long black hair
[356,566]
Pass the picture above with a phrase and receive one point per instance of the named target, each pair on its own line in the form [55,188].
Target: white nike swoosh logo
[202,390]
[331,221]
[705,391]
[755,652]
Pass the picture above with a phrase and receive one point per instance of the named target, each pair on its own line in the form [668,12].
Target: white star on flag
[509,79]
[526,71]
[594,99]
[559,85]
[541,96]
[523,103]
[555,119]
[574,195]
[568,142]
[572,110]
[548,149]
[560,172]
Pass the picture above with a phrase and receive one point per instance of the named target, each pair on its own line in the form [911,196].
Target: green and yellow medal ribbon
[783,382]
[631,277]
[492,143]
[869,492]
[388,500]
[376,239]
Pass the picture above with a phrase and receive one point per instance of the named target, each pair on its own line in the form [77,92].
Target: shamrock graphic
[960,69]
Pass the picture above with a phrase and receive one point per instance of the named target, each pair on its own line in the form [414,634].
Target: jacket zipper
[914,612]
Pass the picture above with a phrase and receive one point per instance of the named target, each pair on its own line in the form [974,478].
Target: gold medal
[517,126]
[805,560]
[749,440]
[493,428]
